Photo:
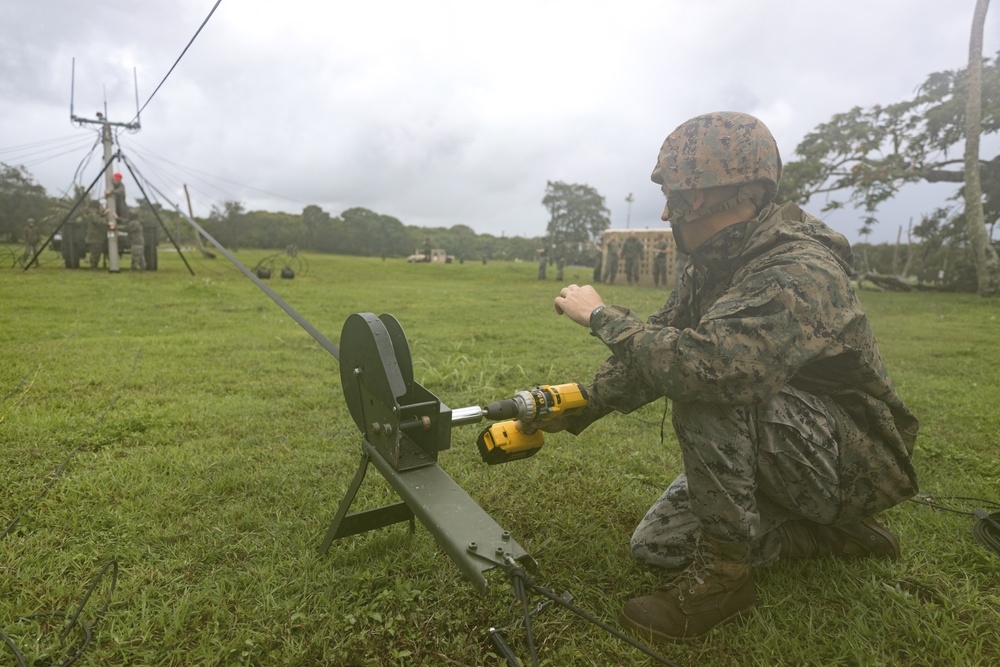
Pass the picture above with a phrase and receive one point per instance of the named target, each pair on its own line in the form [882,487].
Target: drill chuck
[521,406]
[505,409]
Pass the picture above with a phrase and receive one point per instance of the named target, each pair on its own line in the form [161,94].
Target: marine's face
[678,228]
[690,235]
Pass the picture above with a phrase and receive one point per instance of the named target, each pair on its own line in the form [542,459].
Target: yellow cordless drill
[502,442]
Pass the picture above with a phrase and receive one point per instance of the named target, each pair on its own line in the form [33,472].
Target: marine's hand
[577,303]
[549,426]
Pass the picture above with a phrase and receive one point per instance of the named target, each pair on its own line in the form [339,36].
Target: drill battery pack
[502,442]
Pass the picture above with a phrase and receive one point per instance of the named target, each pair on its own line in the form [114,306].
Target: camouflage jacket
[31,235]
[133,228]
[632,248]
[118,193]
[96,225]
[761,304]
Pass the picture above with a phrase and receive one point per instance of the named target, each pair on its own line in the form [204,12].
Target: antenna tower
[106,125]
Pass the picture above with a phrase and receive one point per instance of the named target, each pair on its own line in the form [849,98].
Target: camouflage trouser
[632,270]
[138,258]
[660,271]
[747,470]
[96,250]
[29,251]
[611,271]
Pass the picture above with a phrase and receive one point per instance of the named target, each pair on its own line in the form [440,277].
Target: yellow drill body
[503,442]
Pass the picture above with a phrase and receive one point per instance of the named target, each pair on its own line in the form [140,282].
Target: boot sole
[647,632]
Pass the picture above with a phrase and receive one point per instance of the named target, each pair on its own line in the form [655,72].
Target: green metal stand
[404,427]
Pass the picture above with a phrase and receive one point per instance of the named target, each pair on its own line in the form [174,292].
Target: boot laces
[693,574]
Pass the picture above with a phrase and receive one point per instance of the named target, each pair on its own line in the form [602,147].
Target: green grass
[213,446]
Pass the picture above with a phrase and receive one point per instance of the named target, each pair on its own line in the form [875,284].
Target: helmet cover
[719,149]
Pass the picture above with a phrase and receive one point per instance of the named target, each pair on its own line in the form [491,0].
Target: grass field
[207,445]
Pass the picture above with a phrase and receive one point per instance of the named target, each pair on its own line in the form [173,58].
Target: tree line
[862,157]
[355,231]
[936,248]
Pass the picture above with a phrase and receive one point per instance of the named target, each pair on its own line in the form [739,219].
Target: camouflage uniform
[611,262]
[117,191]
[137,245]
[660,262]
[631,251]
[97,234]
[781,402]
[31,240]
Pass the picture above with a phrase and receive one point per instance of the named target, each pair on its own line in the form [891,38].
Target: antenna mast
[106,125]
[135,80]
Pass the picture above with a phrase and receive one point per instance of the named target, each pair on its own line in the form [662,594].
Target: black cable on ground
[986,531]
[519,577]
[58,472]
[73,620]
[21,383]
[265,267]
[13,647]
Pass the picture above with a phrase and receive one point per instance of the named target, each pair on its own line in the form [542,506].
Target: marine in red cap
[118,192]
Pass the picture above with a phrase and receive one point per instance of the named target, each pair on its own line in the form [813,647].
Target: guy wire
[301,321]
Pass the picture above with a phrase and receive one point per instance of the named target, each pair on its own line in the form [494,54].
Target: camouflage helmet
[719,149]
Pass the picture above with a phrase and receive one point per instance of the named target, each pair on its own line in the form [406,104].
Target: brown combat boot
[715,588]
[865,538]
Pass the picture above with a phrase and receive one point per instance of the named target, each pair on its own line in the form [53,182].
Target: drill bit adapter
[403,427]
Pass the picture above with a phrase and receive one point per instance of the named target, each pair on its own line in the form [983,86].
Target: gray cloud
[443,113]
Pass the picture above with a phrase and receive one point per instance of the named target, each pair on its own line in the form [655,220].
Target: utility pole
[109,202]
[113,261]
[628,214]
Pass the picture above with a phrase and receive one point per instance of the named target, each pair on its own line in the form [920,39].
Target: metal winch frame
[403,427]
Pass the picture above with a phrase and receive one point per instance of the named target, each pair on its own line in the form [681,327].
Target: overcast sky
[442,113]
